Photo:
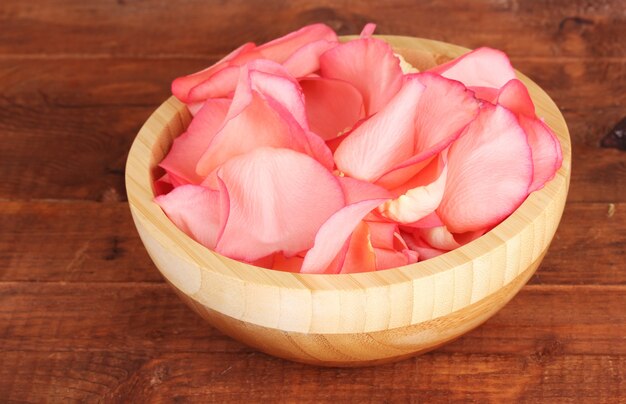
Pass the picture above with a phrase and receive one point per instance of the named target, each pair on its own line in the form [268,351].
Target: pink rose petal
[370,66]
[384,140]
[188,148]
[183,85]
[280,49]
[334,233]
[306,60]
[332,106]
[198,211]
[360,256]
[269,190]
[482,67]
[546,149]
[357,190]
[489,171]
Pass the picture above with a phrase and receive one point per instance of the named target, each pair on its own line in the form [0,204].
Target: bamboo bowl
[352,319]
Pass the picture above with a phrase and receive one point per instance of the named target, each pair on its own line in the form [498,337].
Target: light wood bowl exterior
[352,319]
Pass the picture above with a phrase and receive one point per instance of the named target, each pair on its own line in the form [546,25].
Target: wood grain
[566,28]
[581,319]
[162,349]
[252,377]
[78,153]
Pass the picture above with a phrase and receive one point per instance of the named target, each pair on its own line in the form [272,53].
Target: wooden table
[84,314]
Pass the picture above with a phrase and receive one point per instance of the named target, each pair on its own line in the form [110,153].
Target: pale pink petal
[281,89]
[422,197]
[489,171]
[482,67]
[332,106]
[306,60]
[219,85]
[384,140]
[370,66]
[357,190]
[269,190]
[445,108]
[334,233]
[368,30]
[545,147]
[516,98]
[360,256]
[280,49]
[198,211]
[187,149]
[546,151]
[183,85]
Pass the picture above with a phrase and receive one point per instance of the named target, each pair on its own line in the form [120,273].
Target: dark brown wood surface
[85,316]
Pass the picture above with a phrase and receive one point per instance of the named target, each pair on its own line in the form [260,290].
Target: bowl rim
[139,184]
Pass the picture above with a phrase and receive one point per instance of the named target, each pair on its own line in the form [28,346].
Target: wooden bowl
[353,319]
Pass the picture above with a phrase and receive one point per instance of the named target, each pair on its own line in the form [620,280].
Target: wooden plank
[558,28]
[69,242]
[590,93]
[51,317]
[97,242]
[247,377]
[66,153]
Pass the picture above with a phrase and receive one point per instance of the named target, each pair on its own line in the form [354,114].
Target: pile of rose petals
[309,155]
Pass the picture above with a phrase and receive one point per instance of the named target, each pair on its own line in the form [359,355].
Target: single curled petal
[269,188]
[545,147]
[189,147]
[489,171]
[198,211]
[306,60]
[280,49]
[332,106]
[369,65]
[360,256]
[183,85]
[482,67]
[334,233]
